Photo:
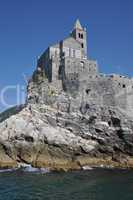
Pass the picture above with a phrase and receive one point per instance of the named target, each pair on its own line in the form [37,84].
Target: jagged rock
[45,140]
[59,131]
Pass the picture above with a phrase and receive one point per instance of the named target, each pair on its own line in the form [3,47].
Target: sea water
[92,184]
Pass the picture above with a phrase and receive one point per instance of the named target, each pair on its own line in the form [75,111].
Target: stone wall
[108,90]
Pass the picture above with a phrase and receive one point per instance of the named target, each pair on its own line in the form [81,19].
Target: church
[67,60]
[67,67]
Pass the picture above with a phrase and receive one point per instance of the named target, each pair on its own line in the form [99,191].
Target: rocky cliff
[61,131]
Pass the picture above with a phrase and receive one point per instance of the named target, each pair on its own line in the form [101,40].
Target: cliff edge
[59,130]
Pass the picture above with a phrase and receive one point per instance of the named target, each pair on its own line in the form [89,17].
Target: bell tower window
[81,36]
[82,45]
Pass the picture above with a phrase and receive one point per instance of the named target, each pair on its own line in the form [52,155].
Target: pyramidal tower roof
[77,25]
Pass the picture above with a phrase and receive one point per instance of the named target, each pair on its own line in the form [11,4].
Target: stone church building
[67,66]
[67,60]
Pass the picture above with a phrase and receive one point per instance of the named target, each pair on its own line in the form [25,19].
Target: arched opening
[82,64]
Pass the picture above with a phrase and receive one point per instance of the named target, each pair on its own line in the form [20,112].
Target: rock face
[61,131]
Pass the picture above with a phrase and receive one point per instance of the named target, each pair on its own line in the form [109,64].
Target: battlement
[119,80]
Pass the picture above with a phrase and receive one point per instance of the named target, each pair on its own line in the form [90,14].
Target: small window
[74,53]
[87,91]
[82,36]
[82,63]
[124,86]
[79,35]
[82,45]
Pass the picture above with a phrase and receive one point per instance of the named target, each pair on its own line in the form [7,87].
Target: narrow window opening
[82,36]
[69,52]
[74,53]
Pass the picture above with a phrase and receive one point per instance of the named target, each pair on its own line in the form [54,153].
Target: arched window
[82,36]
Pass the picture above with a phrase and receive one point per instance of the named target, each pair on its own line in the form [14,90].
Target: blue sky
[28,27]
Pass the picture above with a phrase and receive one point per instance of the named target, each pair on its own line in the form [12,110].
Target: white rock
[102,123]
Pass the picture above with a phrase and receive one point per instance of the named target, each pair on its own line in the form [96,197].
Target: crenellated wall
[114,90]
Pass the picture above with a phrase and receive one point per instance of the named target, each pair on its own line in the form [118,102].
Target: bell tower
[79,33]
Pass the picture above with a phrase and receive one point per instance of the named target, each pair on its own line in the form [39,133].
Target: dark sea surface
[96,184]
